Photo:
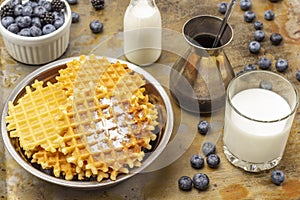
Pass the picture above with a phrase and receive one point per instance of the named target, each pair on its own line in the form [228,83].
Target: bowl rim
[5,33]
[87,184]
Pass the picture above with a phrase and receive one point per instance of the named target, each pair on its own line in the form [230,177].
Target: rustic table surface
[226,182]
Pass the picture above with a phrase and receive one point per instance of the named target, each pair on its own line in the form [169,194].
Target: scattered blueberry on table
[213,161]
[208,148]
[75,17]
[185,183]
[269,15]
[258,25]
[276,38]
[297,75]
[277,177]
[259,35]
[201,181]
[72,2]
[245,4]
[222,7]
[264,84]
[250,67]
[254,47]
[96,26]
[197,161]
[249,16]
[264,63]
[281,65]
[203,127]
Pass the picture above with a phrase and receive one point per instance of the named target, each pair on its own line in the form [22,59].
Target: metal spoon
[224,23]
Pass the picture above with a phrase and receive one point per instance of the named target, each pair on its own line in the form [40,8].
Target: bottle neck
[150,3]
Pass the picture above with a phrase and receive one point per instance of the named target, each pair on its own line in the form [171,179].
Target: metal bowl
[157,95]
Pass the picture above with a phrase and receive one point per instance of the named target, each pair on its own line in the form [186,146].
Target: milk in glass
[254,140]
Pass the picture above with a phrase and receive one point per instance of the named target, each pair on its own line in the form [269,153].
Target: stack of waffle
[94,122]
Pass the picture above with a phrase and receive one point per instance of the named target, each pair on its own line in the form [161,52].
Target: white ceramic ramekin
[41,49]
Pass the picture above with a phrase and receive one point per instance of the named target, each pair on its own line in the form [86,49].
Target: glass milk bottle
[142,32]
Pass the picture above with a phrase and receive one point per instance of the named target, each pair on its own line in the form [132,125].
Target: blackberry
[98,4]
[58,5]
[47,18]
[6,10]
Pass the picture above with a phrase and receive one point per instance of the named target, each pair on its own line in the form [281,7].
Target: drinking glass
[259,112]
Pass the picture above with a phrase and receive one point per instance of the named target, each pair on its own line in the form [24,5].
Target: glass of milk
[259,113]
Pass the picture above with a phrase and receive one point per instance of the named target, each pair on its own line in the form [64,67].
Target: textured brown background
[227,182]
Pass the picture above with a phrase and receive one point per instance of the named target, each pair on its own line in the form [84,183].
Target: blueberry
[27,11]
[203,127]
[274,1]
[72,2]
[245,4]
[240,72]
[269,15]
[276,38]
[249,16]
[75,17]
[58,22]
[25,32]
[298,75]
[36,21]
[13,3]
[267,85]
[24,22]
[208,148]
[14,28]
[254,47]
[258,25]
[201,181]
[18,10]
[250,67]
[58,15]
[197,161]
[35,31]
[47,5]
[41,2]
[222,7]
[96,26]
[281,65]
[277,177]
[213,161]
[48,28]
[39,10]
[264,63]
[32,4]
[6,21]
[259,35]
[185,183]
